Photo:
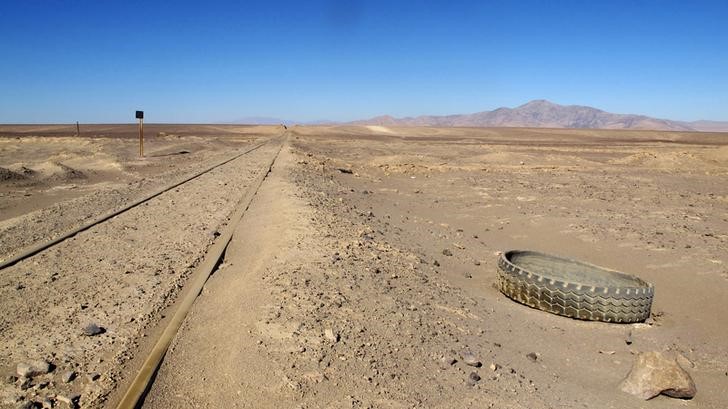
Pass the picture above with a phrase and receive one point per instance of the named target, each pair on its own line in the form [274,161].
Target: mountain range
[537,114]
[544,114]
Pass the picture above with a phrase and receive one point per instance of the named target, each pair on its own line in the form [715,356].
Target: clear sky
[207,61]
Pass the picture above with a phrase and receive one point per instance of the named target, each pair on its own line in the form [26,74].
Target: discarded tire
[572,288]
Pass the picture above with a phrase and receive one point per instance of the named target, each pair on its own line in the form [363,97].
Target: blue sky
[207,61]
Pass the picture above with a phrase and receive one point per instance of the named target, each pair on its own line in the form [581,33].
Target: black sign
[140,114]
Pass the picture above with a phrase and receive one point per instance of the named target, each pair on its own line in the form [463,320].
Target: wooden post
[141,137]
[140,116]
[78,129]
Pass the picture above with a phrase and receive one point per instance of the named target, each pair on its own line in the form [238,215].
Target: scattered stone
[473,378]
[436,263]
[93,376]
[532,356]
[344,170]
[331,336]
[447,361]
[11,379]
[33,368]
[68,376]
[447,252]
[468,275]
[47,403]
[470,359]
[494,367]
[653,373]
[628,339]
[24,383]
[476,262]
[92,329]
[70,400]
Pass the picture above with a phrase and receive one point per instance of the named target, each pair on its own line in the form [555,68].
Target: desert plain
[363,273]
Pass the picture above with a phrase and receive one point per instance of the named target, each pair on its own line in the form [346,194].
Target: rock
[93,376]
[11,379]
[470,359]
[436,263]
[92,329]
[532,356]
[447,252]
[473,378]
[70,400]
[33,368]
[68,376]
[628,338]
[330,335]
[24,383]
[447,361]
[47,403]
[653,373]
[494,367]
[345,170]
[476,262]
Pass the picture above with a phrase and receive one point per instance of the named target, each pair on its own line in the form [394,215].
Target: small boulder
[653,373]
[470,359]
[92,329]
[68,376]
[33,368]
[331,336]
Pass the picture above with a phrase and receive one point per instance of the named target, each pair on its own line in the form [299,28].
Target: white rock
[653,373]
[33,368]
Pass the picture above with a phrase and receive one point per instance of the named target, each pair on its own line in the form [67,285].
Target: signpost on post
[140,117]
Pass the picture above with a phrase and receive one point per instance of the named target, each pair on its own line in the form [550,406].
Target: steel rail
[37,248]
[137,390]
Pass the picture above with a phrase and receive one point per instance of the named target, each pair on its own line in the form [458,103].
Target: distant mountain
[545,114]
[260,120]
[264,120]
[709,126]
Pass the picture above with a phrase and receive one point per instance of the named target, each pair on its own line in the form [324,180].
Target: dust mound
[62,173]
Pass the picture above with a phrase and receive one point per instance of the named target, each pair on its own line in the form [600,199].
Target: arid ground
[364,268]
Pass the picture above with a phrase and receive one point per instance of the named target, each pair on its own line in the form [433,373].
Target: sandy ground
[336,291]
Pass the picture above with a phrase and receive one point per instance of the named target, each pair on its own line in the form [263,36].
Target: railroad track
[37,248]
[136,392]
[201,268]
